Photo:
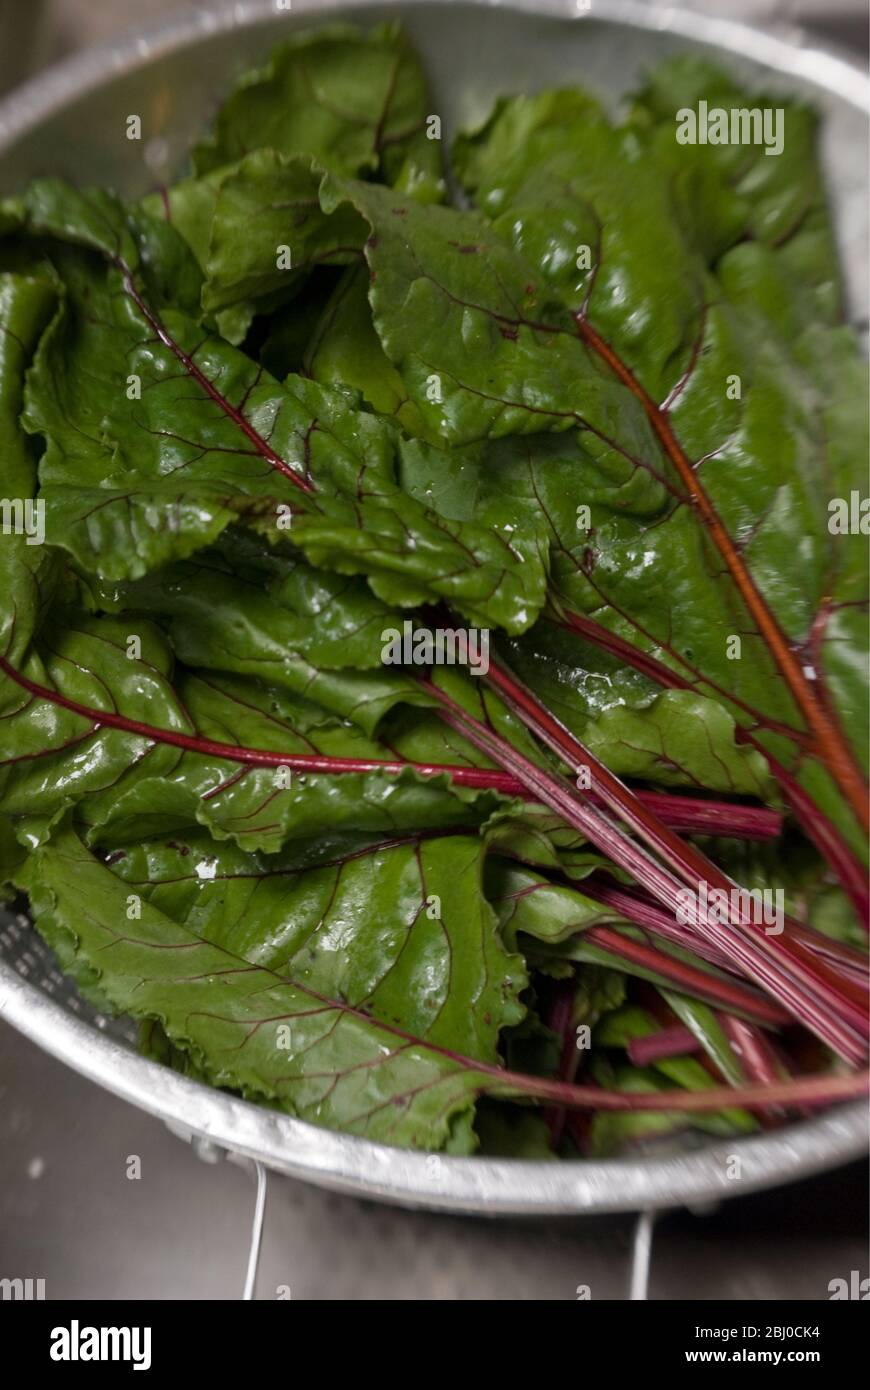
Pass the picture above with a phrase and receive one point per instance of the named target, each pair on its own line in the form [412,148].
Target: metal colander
[472,53]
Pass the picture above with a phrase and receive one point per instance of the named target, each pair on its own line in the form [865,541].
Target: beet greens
[604,412]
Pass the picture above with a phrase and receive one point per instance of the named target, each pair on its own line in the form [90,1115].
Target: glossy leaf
[158,435]
[317,1014]
[734,339]
[357,102]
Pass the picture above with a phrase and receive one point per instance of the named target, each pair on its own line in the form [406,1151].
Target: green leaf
[12,856]
[776,204]
[243,606]
[381,921]
[313,634]
[255,230]
[187,209]
[732,332]
[268,226]
[158,435]
[702,1021]
[317,1014]
[531,905]
[612,1132]
[29,576]
[553,176]
[26,305]
[124,784]
[357,102]
[506,1131]
[483,347]
[345,351]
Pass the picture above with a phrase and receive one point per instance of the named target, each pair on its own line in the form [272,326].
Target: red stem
[831,747]
[806,998]
[694,815]
[483,778]
[684,859]
[263,447]
[689,813]
[558,1017]
[685,977]
[751,1049]
[806,1090]
[668,1042]
[818,828]
[756,1057]
[642,910]
[647,914]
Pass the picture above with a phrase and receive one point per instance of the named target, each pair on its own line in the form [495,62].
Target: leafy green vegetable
[356,102]
[268,221]
[483,349]
[25,306]
[740,206]
[124,785]
[320,1022]
[344,350]
[265,419]
[124,450]
[751,408]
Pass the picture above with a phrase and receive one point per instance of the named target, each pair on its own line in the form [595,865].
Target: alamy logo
[23,517]
[440,646]
[853,1287]
[741,125]
[762,907]
[849,516]
[76,1343]
[25,1290]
